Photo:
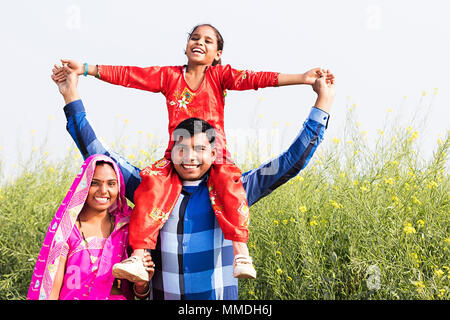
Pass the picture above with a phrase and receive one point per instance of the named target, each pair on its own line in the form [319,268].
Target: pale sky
[385,55]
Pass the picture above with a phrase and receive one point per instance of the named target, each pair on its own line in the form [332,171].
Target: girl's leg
[242,264]
[240,248]
[229,203]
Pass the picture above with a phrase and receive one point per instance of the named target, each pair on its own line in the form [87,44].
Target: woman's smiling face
[104,188]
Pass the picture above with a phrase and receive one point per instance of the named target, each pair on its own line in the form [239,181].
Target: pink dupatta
[62,226]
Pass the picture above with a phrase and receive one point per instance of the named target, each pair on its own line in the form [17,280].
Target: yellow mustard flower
[335,204]
[432,184]
[419,285]
[414,136]
[417,201]
[439,272]
[409,229]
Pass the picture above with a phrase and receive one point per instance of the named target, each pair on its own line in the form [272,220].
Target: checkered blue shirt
[192,258]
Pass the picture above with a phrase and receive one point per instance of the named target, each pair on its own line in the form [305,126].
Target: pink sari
[86,277]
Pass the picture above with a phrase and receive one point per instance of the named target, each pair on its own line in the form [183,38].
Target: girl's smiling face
[104,188]
[202,47]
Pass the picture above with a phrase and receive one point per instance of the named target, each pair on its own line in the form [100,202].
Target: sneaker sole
[243,275]
[123,274]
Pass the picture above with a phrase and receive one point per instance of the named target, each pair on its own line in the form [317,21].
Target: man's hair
[193,126]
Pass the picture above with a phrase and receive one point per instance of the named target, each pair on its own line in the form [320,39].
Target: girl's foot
[131,269]
[243,267]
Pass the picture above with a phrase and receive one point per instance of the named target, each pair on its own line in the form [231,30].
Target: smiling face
[193,156]
[104,188]
[202,47]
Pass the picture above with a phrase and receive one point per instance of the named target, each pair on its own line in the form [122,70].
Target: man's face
[193,156]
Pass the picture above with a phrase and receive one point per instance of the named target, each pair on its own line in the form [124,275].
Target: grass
[359,222]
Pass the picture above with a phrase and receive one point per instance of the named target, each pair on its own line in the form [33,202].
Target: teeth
[190,165]
[197,50]
[102,200]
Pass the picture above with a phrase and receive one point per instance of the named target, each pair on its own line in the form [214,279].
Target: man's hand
[142,286]
[72,65]
[67,82]
[325,90]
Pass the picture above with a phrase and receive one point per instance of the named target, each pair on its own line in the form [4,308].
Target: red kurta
[160,186]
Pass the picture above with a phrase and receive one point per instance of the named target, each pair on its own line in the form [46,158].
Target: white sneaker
[243,267]
[131,269]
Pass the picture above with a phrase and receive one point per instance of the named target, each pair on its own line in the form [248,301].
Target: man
[192,259]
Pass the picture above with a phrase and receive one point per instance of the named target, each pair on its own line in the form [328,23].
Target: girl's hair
[220,41]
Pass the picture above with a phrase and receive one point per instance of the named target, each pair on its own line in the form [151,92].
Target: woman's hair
[103,162]
[220,41]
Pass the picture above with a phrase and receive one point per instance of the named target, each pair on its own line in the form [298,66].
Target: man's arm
[261,181]
[85,137]
[87,142]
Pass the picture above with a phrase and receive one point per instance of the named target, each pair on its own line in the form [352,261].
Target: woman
[87,236]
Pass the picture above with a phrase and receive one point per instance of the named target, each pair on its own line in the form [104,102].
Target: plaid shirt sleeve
[87,142]
[261,181]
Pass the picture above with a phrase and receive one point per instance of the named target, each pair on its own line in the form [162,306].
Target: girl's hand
[312,75]
[73,65]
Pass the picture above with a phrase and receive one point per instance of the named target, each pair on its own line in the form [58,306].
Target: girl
[87,236]
[197,89]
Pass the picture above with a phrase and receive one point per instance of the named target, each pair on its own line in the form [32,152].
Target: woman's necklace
[91,257]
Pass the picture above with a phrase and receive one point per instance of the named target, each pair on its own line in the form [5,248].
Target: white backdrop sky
[380,52]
